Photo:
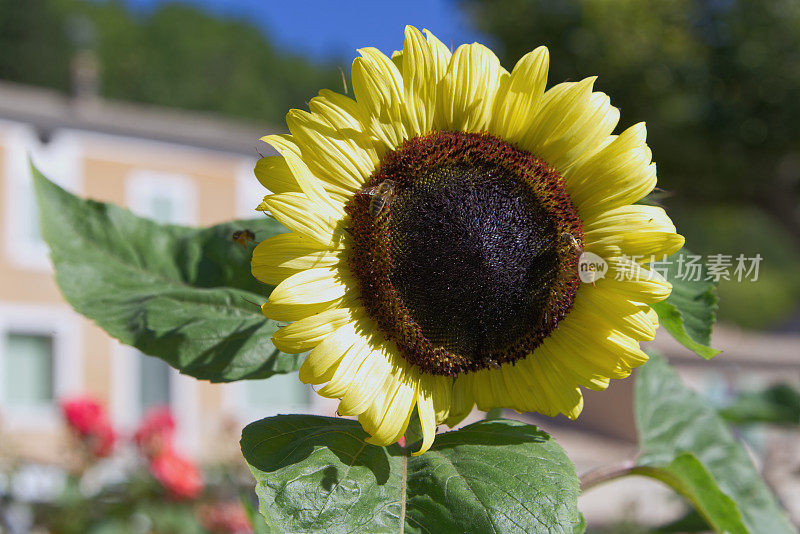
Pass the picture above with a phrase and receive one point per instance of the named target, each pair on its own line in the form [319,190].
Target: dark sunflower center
[473,257]
[458,243]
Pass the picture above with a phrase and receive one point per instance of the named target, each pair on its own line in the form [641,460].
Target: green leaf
[253,518]
[686,444]
[778,404]
[182,294]
[580,526]
[687,475]
[691,310]
[316,474]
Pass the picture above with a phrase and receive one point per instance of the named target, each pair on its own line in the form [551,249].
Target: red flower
[103,441]
[179,476]
[89,420]
[224,518]
[83,414]
[155,432]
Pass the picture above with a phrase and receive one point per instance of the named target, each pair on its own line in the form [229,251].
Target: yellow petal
[519,96]
[341,112]
[615,312]
[469,88]
[388,426]
[307,293]
[485,390]
[321,284]
[634,281]
[427,413]
[275,175]
[584,373]
[295,312]
[296,212]
[334,155]
[653,316]
[320,362]
[573,121]
[637,230]
[397,59]
[597,346]
[378,87]
[522,397]
[463,401]
[346,369]
[442,397]
[373,415]
[564,394]
[309,332]
[283,255]
[440,53]
[419,81]
[366,385]
[619,174]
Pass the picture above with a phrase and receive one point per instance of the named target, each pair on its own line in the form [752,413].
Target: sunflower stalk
[607,473]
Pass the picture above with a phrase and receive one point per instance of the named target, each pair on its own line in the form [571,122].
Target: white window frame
[126,402]
[65,329]
[142,184]
[234,401]
[249,191]
[60,160]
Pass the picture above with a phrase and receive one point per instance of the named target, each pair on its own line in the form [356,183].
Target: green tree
[182,57]
[34,47]
[176,56]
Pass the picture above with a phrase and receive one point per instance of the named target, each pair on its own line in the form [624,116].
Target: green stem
[606,474]
[629,467]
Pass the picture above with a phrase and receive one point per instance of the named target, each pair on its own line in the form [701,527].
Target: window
[250,400]
[161,196]
[28,370]
[279,392]
[40,363]
[59,160]
[249,191]
[141,382]
[154,383]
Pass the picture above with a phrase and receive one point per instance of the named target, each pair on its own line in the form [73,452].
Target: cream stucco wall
[106,168]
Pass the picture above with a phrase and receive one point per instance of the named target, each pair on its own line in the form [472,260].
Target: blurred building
[170,166]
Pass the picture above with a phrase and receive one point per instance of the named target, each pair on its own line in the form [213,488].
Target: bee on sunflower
[459,286]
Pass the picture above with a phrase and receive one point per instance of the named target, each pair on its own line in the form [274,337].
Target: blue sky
[334,29]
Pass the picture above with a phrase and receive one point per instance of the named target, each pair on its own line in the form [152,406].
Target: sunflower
[437,223]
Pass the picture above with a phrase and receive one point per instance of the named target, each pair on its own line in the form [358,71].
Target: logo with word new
[591,267]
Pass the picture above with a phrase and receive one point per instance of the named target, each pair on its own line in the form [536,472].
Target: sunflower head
[437,224]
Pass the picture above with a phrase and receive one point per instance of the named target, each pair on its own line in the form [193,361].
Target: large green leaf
[316,474]
[691,310]
[184,295]
[778,404]
[686,444]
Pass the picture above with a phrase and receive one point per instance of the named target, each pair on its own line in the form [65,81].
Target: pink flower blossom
[89,420]
[180,477]
[155,432]
[224,518]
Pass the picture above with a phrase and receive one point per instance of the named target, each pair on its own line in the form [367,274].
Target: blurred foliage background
[177,56]
[717,82]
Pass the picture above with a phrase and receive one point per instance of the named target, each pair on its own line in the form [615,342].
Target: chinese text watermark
[686,267]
